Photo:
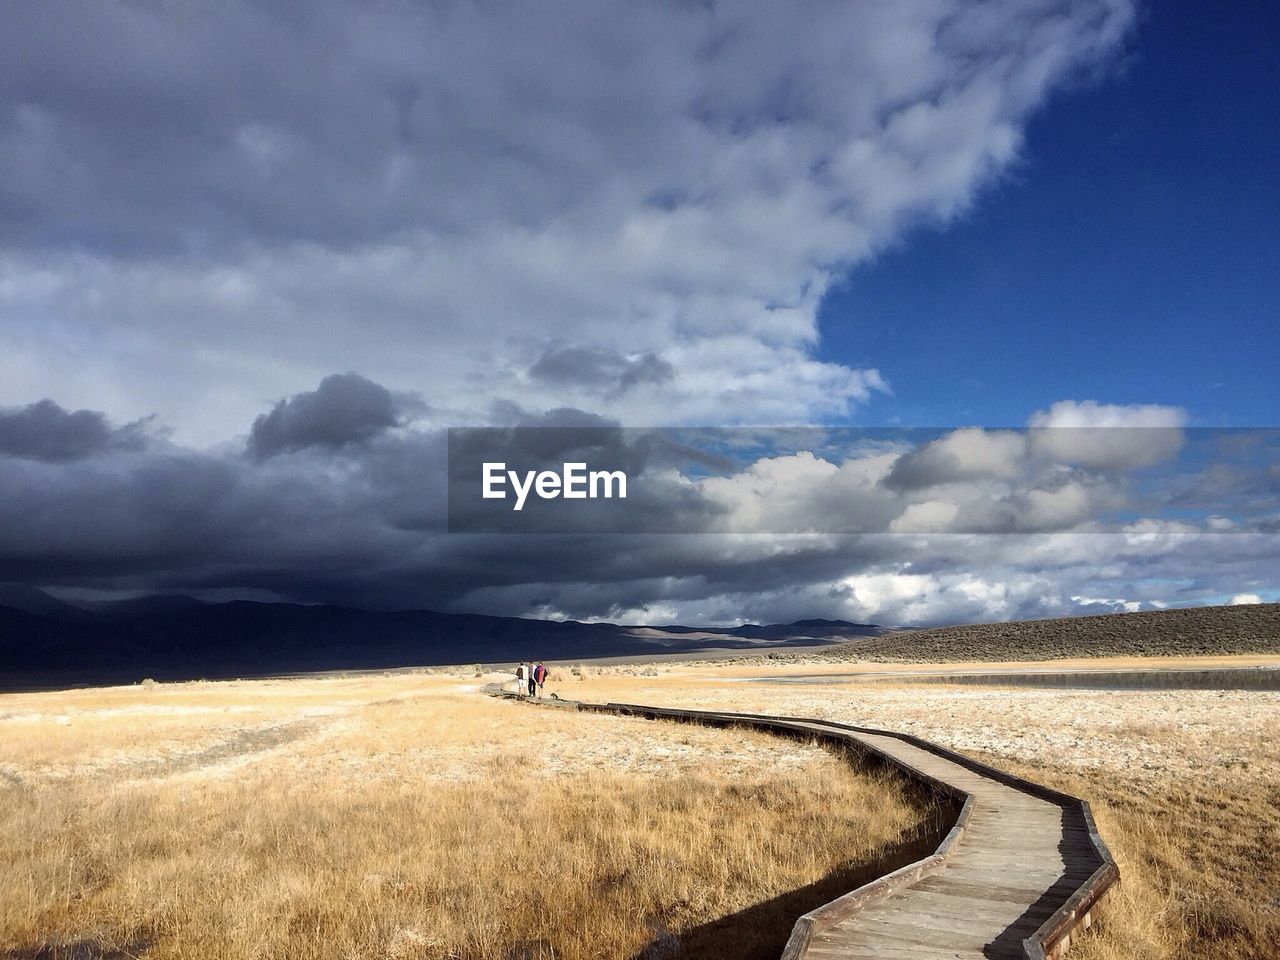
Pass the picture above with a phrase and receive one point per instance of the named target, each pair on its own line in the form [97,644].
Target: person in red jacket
[540,676]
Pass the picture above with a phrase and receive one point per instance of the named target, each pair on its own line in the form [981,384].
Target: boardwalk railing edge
[1049,941]
[857,899]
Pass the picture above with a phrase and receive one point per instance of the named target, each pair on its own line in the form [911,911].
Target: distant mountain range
[45,642]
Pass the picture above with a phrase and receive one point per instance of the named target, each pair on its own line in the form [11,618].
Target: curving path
[1020,873]
[1017,862]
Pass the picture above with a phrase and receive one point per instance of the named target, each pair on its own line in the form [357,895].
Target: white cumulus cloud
[1107,436]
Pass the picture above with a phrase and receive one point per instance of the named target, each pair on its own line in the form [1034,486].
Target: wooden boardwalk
[1020,873]
[1017,862]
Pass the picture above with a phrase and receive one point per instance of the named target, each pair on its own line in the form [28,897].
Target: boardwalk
[1018,861]
[1022,871]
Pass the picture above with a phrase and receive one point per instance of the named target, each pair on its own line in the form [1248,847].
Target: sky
[256,261]
[1132,246]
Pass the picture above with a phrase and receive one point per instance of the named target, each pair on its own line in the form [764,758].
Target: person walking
[533,684]
[520,681]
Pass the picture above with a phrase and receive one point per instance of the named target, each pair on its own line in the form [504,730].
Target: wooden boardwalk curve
[1021,872]
[1017,862]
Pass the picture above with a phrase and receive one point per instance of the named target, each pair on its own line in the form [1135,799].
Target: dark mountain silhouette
[19,596]
[159,603]
[172,638]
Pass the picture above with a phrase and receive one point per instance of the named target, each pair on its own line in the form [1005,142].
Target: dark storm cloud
[602,370]
[647,368]
[167,518]
[578,365]
[45,431]
[370,531]
[345,409]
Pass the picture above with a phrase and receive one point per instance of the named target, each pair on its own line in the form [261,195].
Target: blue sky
[1130,256]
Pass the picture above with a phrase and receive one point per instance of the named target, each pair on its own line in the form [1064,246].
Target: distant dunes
[1190,631]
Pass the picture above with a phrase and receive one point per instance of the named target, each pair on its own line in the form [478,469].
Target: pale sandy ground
[405,727]
[819,661]
[1203,733]
[211,730]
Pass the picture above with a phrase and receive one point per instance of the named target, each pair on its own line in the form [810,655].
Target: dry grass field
[1185,783]
[408,816]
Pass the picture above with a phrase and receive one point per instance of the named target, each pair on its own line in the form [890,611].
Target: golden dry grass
[403,816]
[1185,785]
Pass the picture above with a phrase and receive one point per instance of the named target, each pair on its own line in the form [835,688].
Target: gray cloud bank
[45,431]
[350,508]
[345,409]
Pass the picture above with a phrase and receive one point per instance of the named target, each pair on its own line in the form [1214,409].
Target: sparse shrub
[148,684]
[1253,628]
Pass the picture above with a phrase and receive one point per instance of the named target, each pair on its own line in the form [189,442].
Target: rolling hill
[1186,631]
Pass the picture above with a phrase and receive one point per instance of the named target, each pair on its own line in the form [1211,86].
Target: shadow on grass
[760,931]
[87,948]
